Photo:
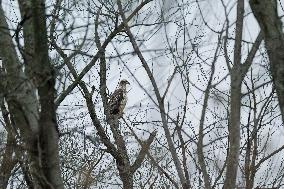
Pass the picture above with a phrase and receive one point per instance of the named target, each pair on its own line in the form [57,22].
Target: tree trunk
[234,131]
[45,79]
[237,75]
[265,12]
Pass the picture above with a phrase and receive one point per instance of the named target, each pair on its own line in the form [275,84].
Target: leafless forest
[205,103]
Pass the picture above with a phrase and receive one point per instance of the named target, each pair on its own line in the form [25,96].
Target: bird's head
[124,82]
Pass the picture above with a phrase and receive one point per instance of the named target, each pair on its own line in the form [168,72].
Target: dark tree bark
[265,12]
[45,78]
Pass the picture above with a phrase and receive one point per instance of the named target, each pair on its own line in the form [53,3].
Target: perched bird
[118,99]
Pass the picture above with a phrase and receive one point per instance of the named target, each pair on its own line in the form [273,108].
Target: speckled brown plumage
[118,99]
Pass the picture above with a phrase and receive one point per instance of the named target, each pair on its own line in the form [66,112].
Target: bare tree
[33,115]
